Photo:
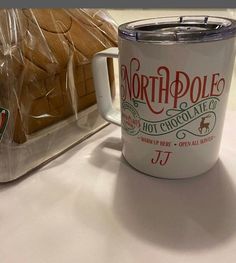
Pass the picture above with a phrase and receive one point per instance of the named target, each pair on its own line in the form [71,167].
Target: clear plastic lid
[179,29]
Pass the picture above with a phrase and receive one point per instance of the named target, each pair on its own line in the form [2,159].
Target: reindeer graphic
[204,124]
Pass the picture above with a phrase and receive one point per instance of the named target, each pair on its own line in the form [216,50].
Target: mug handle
[102,87]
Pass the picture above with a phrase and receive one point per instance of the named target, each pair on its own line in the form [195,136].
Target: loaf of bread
[45,69]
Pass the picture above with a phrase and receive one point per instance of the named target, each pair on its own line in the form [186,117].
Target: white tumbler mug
[175,75]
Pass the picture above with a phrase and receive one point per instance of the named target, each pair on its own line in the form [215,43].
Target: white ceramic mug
[175,76]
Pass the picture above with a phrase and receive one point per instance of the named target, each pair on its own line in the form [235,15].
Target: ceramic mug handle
[102,87]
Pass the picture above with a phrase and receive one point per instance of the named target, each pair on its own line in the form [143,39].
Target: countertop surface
[89,205]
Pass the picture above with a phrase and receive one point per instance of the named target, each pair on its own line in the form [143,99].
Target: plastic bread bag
[47,98]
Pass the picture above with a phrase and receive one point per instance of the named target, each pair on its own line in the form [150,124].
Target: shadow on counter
[187,214]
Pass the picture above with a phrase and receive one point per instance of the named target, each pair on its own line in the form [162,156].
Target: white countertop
[89,205]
